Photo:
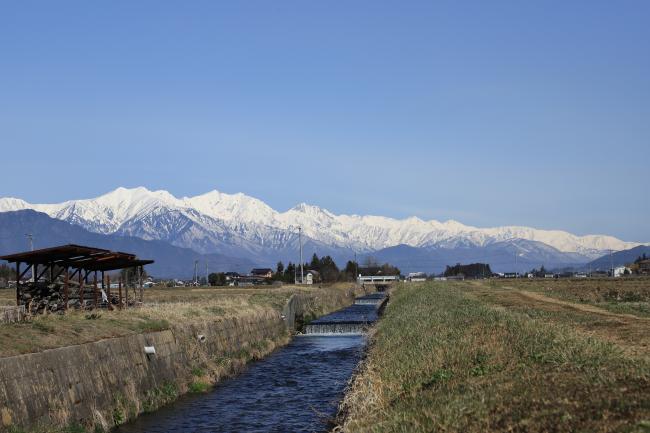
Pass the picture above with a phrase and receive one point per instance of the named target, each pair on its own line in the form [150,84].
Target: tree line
[541,273]
[330,273]
[473,270]
[327,269]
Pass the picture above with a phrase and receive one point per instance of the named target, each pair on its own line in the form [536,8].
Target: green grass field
[490,356]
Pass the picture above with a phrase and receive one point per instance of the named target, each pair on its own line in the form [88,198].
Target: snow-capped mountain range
[239,225]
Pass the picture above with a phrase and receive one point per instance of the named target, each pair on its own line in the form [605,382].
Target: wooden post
[120,289]
[81,289]
[140,284]
[95,290]
[17,284]
[66,288]
[126,293]
[136,284]
[108,292]
[103,283]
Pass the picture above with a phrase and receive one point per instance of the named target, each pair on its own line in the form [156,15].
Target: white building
[311,277]
[416,277]
[622,270]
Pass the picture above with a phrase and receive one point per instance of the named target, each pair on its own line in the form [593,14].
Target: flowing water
[355,319]
[295,389]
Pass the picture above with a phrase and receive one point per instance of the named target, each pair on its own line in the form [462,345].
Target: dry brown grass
[7,297]
[629,332]
[443,359]
[619,295]
[164,307]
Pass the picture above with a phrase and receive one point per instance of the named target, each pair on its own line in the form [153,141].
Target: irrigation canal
[295,389]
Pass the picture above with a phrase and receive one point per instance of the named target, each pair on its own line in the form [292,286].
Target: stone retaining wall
[108,382]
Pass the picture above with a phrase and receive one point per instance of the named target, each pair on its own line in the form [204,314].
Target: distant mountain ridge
[520,255]
[618,258]
[170,261]
[237,225]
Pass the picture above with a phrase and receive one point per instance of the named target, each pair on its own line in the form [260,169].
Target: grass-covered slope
[164,308]
[444,360]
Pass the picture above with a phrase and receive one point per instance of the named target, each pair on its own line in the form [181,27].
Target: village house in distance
[262,272]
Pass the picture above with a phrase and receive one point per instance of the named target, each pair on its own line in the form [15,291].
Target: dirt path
[581,307]
[631,333]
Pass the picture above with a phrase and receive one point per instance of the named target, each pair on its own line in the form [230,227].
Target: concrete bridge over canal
[380,282]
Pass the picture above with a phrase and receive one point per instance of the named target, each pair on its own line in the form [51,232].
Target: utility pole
[30,237]
[207,280]
[356,268]
[611,262]
[196,273]
[302,272]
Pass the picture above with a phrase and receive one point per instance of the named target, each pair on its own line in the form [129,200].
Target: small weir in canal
[355,319]
[295,389]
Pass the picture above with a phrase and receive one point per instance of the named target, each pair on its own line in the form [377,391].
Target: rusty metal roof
[78,256]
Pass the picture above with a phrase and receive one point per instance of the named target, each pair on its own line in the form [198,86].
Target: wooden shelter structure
[75,263]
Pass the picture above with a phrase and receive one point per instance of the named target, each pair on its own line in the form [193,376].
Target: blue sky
[490,113]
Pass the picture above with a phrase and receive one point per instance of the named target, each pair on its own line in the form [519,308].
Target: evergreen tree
[217,279]
[328,270]
[350,271]
[289,273]
[542,271]
[474,270]
[279,272]
[315,263]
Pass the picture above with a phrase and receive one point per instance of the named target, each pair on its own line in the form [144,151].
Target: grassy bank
[163,308]
[446,357]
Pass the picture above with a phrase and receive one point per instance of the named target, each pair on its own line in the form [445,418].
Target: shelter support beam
[17,283]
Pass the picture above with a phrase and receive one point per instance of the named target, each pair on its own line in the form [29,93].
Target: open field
[503,356]
[618,295]
[163,308]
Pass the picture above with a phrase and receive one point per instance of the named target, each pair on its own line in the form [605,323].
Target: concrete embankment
[106,383]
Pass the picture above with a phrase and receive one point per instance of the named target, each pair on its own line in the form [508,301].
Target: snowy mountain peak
[9,204]
[216,221]
[309,209]
[127,195]
[414,220]
[314,220]
[230,207]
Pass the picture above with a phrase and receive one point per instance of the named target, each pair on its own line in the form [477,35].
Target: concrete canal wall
[108,382]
